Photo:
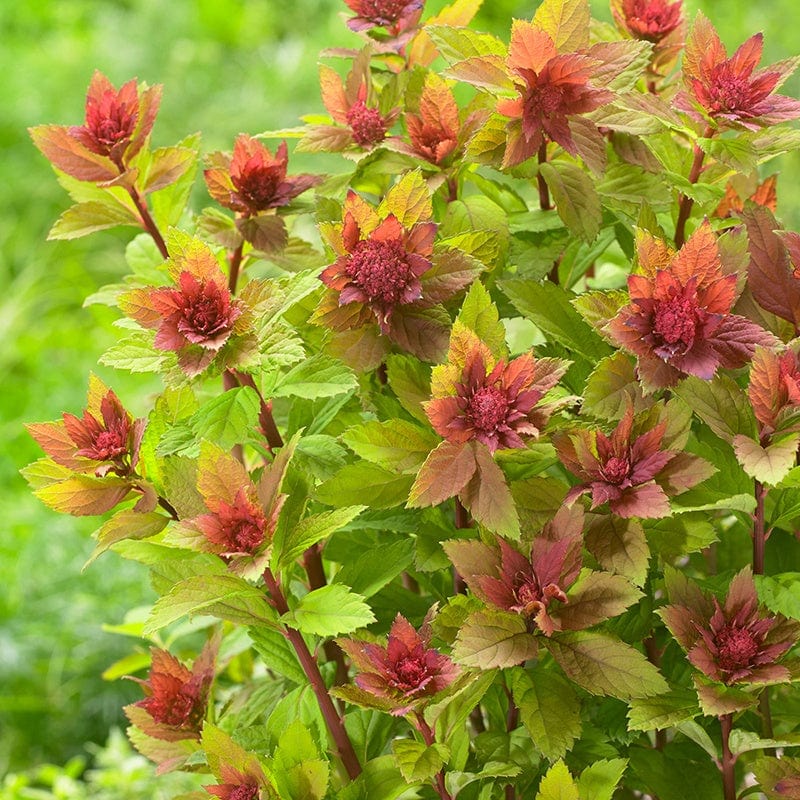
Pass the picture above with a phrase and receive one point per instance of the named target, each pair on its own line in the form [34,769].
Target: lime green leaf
[780,593]
[611,387]
[566,22]
[457,44]
[662,711]
[84,495]
[410,380]
[602,664]
[599,780]
[86,218]
[417,761]
[318,376]
[558,784]
[300,773]
[229,419]
[376,567]
[721,404]
[127,524]
[346,487]
[479,314]
[549,709]
[395,444]
[409,200]
[493,638]
[330,611]
[576,199]
[135,353]
[769,464]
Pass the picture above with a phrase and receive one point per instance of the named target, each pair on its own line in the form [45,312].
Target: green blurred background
[227,66]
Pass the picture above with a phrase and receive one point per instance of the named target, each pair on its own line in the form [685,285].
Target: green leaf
[548,307]
[221,751]
[599,780]
[457,44]
[127,524]
[596,597]
[662,711]
[136,354]
[780,593]
[346,487]
[576,199]
[611,386]
[566,22]
[395,444]
[487,496]
[417,761]
[717,699]
[721,404]
[318,376]
[493,638]
[549,709]
[277,654]
[769,464]
[479,314]
[602,664]
[410,380]
[300,773]
[409,200]
[619,545]
[330,611]
[747,741]
[223,596]
[308,532]
[229,419]
[85,218]
[84,495]
[380,780]
[558,784]
[376,567]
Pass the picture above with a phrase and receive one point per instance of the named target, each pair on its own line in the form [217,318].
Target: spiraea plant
[475,464]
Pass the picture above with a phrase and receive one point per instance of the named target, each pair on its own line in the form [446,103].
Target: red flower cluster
[177,697]
[730,643]
[106,435]
[254,180]
[632,473]
[406,672]
[730,90]
[678,321]
[395,16]
[652,20]
[116,128]
[496,403]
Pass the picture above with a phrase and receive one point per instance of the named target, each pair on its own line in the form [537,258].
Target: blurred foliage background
[228,66]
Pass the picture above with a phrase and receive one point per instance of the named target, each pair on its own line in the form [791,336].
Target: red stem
[310,667]
[759,545]
[685,203]
[148,223]
[430,738]
[236,262]
[728,759]
[265,418]
[544,192]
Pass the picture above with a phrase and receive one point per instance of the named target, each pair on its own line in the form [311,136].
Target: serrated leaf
[394,444]
[770,464]
[318,376]
[410,380]
[346,487]
[85,218]
[376,567]
[717,699]
[746,741]
[299,772]
[576,198]
[84,495]
[720,403]
[223,596]
[602,664]
[229,419]
[136,354]
[222,751]
[619,545]
[419,762]
[566,22]
[446,471]
[663,711]
[409,200]
[558,784]
[480,315]
[330,611]
[127,524]
[277,654]
[599,780]
[780,593]
[549,710]
[459,43]
[487,496]
[493,638]
[611,386]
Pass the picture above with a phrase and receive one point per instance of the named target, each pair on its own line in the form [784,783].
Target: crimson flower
[730,643]
[634,474]
[104,439]
[496,403]
[117,125]
[195,318]
[552,89]
[396,16]
[254,180]
[240,784]
[406,672]
[434,131]
[678,321]
[379,262]
[176,697]
[235,791]
[730,90]
[652,20]
[498,574]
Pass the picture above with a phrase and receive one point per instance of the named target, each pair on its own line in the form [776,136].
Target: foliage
[491,371]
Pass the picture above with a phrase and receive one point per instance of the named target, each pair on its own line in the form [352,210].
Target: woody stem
[685,203]
[544,192]
[728,760]
[265,418]
[430,738]
[235,263]
[311,669]
[148,222]
[462,521]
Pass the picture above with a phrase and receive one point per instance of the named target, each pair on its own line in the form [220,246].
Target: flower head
[235,791]
[734,642]
[105,438]
[633,472]
[406,672]
[116,127]
[525,584]
[434,131]
[678,321]
[496,403]
[176,697]
[254,180]
[380,264]
[395,16]
[651,20]
[730,90]
[552,88]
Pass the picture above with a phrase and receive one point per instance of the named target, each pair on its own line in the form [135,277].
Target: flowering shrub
[449,443]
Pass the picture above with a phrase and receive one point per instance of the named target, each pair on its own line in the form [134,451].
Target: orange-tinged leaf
[596,597]
[437,103]
[190,254]
[566,22]
[652,254]
[446,471]
[67,154]
[763,390]
[127,524]
[333,97]
[53,438]
[409,200]
[219,474]
[84,495]
[699,257]
[485,72]
[619,545]
[530,47]
[487,496]
[458,15]
[702,45]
